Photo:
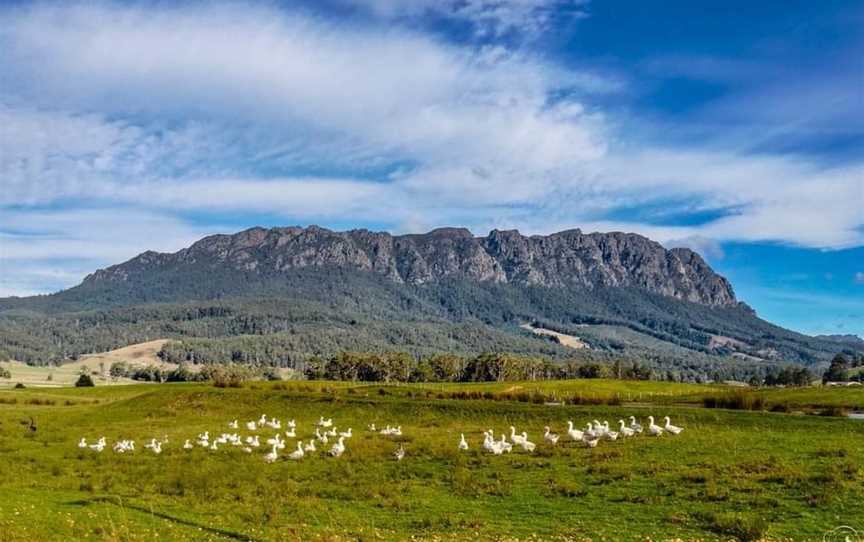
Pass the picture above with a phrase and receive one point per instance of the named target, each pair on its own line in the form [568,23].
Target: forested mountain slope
[286,294]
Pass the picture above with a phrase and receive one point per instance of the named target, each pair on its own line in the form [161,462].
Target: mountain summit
[560,260]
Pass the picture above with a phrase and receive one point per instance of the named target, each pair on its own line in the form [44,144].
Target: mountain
[565,259]
[286,294]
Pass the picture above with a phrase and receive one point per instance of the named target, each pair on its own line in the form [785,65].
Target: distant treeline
[231,372]
[489,367]
[402,367]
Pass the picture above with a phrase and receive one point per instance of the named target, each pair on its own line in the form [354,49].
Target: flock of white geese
[325,432]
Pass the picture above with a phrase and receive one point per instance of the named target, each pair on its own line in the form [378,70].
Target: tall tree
[838,371]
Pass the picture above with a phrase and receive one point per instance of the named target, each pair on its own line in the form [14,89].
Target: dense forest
[287,321]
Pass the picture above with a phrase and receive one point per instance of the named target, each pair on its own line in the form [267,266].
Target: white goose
[346,434]
[233,424]
[611,435]
[310,447]
[188,445]
[339,448]
[276,441]
[625,431]
[272,456]
[505,446]
[526,444]
[463,444]
[123,446]
[399,454]
[637,428]
[82,443]
[674,429]
[490,444]
[156,447]
[325,423]
[251,426]
[573,433]
[99,446]
[591,442]
[516,439]
[488,440]
[291,433]
[549,436]
[653,429]
[298,453]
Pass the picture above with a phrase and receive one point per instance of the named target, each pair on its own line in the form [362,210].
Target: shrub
[4,373]
[19,386]
[84,381]
[227,376]
[119,369]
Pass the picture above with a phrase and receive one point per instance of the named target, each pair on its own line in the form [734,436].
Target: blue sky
[734,128]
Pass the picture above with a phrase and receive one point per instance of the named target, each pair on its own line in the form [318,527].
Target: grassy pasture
[731,474]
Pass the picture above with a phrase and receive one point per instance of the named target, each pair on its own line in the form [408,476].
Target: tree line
[486,367]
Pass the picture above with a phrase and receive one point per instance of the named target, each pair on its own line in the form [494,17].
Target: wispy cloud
[488,19]
[142,114]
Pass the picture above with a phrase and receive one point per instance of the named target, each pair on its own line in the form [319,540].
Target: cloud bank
[133,119]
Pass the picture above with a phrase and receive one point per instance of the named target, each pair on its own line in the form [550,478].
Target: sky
[735,128]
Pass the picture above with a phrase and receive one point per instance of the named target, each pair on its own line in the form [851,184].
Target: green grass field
[730,475]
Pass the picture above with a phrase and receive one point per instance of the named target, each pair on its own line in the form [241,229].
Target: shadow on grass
[117,502]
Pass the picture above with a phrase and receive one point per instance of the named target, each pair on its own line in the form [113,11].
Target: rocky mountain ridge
[565,259]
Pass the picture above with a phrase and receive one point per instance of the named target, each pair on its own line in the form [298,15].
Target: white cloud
[859,277]
[229,107]
[334,94]
[42,251]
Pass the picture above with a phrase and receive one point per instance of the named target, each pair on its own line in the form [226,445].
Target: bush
[4,373]
[147,373]
[227,376]
[119,369]
[19,386]
[84,381]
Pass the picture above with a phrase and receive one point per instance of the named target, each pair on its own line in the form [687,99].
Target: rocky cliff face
[566,259]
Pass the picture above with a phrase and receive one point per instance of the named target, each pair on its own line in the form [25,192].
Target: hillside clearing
[571,341]
[97,365]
